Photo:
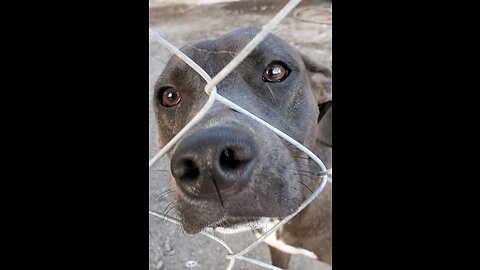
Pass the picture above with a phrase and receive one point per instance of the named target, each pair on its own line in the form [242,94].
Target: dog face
[229,170]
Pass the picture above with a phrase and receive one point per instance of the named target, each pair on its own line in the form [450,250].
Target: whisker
[309,177]
[301,157]
[170,209]
[165,210]
[160,195]
[303,184]
[311,191]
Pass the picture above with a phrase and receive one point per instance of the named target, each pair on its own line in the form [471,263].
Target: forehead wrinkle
[278,50]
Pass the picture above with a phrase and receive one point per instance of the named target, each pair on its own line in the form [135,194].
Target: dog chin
[242,227]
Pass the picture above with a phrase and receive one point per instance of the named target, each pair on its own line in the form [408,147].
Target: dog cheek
[165,133]
[194,214]
[303,114]
[283,191]
[174,194]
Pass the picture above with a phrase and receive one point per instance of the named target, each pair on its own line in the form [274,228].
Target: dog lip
[229,222]
[226,226]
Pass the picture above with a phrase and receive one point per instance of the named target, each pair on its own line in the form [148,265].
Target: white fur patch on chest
[272,240]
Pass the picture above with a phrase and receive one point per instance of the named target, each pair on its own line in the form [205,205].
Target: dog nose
[213,160]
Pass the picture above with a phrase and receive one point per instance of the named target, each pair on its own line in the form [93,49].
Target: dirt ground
[309,31]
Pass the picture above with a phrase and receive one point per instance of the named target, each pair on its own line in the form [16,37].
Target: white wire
[259,263]
[223,243]
[272,128]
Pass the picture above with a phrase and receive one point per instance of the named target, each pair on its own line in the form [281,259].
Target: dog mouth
[235,224]
[226,195]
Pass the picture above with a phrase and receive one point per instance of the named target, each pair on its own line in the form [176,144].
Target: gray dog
[230,172]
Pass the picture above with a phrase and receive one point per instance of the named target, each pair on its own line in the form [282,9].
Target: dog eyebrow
[270,53]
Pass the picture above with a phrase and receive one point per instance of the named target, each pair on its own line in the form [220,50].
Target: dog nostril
[190,171]
[229,160]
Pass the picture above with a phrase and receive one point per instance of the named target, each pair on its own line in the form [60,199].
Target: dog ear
[320,80]
[325,129]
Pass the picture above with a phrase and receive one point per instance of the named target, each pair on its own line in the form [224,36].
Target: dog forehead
[231,42]
[214,54]
[222,49]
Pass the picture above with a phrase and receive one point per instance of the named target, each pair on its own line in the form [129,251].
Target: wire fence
[211,91]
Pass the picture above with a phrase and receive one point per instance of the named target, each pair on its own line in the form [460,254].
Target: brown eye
[275,72]
[170,97]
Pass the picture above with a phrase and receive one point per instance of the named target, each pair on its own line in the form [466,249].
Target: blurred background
[307,28]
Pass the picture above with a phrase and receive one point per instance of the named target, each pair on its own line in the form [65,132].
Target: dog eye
[275,72]
[170,97]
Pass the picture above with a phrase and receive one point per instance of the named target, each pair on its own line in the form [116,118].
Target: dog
[231,173]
